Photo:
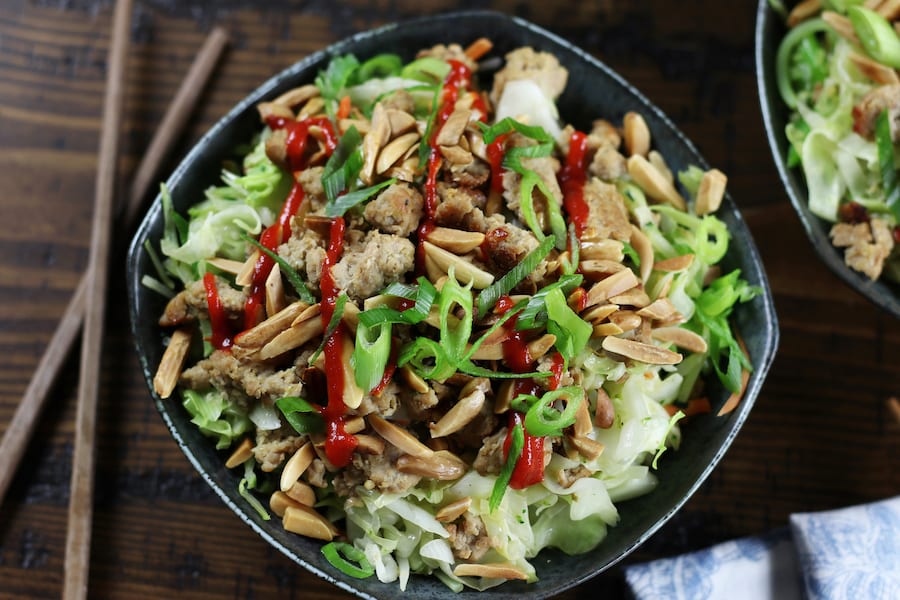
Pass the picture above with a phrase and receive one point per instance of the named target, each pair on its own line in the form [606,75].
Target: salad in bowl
[434,327]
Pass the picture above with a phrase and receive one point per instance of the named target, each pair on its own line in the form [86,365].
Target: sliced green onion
[534,314]
[332,81]
[489,296]
[301,414]
[631,253]
[786,51]
[512,312]
[690,178]
[711,240]
[336,315]
[152,283]
[542,418]
[426,69]
[427,358]
[252,500]
[371,354]
[344,203]
[886,163]
[452,295]
[876,35]
[423,294]
[470,368]
[571,331]
[289,272]
[343,165]
[380,66]
[516,444]
[335,553]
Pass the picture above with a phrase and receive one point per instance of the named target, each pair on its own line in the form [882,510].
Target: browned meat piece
[608,164]
[374,471]
[459,208]
[490,457]
[305,251]
[315,474]
[400,100]
[468,537]
[370,264]
[866,112]
[275,446]
[223,371]
[384,404]
[472,175]
[397,210]
[545,168]
[506,245]
[191,302]
[868,245]
[608,217]
[311,181]
[541,67]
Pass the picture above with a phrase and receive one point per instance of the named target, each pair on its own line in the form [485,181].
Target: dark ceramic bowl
[593,91]
[770,30]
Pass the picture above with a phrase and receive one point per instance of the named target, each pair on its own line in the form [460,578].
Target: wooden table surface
[819,437]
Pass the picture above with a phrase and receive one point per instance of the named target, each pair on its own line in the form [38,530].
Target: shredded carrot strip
[478,48]
[735,398]
[695,406]
[344,108]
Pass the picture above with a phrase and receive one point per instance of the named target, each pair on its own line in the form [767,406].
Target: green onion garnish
[541,417]
[336,316]
[886,163]
[517,443]
[491,294]
[344,203]
[292,276]
[300,414]
[371,354]
[335,553]
[343,165]
[876,35]
[571,331]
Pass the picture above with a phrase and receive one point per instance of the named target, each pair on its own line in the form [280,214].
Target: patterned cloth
[847,554]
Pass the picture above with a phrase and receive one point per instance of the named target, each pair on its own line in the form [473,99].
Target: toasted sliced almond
[874,70]
[841,25]
[645,353]
[608,249]
[432,269]
[802,11]
[362,125]
[296,465]
[279,501]
[451,512]
[441,465]
[306,521]
[295,336]
[595,269]
[378,135]
[245,275]
[710,192]
[676,263]
[472,398]
[262,333]
[274,291]
[413,380]
[683,338]
[656,159]
[399,437]
[353,394]
[464,271]
[227,265]
[395,150]
[172,362]
[636,134]
[241,454]
[455,240]
[605,329]
[297,96]
[599,313]
[312,107]
[539,347]
[401,122]
[889,9]
[604,411]
[583,425]
[588,448]
[613,285]
[634,297]
[504,396]
[453,127]
[369,444]
[659,309]
[490,571]
[350,316]
[643,247]
[478,48]
[653,183]
[302,493]
[627,320]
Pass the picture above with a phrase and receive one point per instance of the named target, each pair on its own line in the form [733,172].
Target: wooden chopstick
[21,427]
[81,489]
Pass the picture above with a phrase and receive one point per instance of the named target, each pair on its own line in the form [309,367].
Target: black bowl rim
[882,294]
[765,305]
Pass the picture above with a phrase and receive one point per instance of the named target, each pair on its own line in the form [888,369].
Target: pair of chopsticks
[88,302]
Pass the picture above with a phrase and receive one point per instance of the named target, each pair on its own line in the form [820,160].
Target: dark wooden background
[819,437]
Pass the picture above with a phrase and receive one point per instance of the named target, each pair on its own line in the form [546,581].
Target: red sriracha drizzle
[572,178]
[221,333]
[339,445]
[495,151]
[298,135]
[529,467]
[459,78]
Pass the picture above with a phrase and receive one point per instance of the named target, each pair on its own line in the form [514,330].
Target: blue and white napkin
[846,554]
